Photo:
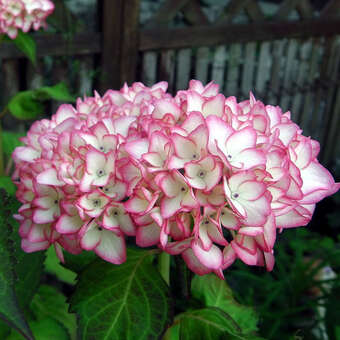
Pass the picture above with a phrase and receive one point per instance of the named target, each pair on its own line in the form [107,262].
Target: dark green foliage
[129,301]
[287,298]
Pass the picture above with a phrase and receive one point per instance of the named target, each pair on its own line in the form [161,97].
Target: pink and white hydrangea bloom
[198,175]
[23,15]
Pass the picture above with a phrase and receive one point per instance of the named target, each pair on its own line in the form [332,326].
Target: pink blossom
[197,175]
[23,15]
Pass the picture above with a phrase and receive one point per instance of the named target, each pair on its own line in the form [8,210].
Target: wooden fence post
[120,20]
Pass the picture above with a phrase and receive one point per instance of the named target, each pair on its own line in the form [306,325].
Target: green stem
[164,266]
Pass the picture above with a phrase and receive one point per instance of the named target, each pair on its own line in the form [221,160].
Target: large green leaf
[129,301]
[58,92]
[9,306]
[24,105]
[78,263]
[44,329]
[51,303]
[27,45]
[214,292]
[207,324]
[28,104]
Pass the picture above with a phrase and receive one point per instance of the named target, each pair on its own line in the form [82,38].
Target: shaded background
[287,52]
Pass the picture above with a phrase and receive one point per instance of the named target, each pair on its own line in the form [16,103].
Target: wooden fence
[286,61]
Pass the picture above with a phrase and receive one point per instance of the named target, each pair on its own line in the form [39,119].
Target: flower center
[100,173]
[201,174]
[235,195]
[96,203]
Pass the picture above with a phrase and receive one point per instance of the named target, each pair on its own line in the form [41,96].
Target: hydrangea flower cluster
[197,174]
[23,15]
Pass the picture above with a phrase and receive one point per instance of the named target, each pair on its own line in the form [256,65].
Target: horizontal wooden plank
[57,45]
[235,33]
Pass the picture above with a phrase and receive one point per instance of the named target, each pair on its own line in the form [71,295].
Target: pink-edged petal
[211,258]
[91,238]
[30,247]
[49,177]
[169,206]
[251,190]
[69,224]
[214,106]
[137,148]
[244,255]
[193,263]
[111,247]
[147,236]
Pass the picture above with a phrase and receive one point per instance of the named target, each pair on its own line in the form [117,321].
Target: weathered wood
[289,73]
[167,68]
[183,69]
[248,68]
[275,81]
[112,26]
[333,71]
[218,66]
[312,76]
[149,68]
[198,36]
[167,12]
[85,78]
[263,69]
[233,69]
[129,41]
[301,79]
[57,45]
[35,74]
[325,72]
[194,14]
[202,64]
[331,143]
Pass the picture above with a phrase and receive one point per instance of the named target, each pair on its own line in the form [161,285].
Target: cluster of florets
[23,15]
[197,174]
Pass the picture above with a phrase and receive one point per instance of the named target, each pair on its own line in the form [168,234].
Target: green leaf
[9,307]
[214,292]
[172,333]
[44,329]
[10,140]
[24,105]
[7,184]
[27,45]
[129,301]
[51,303]
[207,324]
[58,92]
[78,263]
[53,266]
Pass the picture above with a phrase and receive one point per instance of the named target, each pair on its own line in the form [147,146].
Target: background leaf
[129,301]
[24,105]
[9,307]
[10,140]
[58,92]
[44,329]
[7,184]
[214,292]
[51,303]
[26,44]
[78,263]
[207,324]
[53,266]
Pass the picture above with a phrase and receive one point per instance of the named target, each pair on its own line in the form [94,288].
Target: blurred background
[287,52]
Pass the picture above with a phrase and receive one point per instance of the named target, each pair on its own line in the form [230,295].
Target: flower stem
[164,266]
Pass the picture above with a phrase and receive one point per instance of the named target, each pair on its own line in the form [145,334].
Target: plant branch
[164,266]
